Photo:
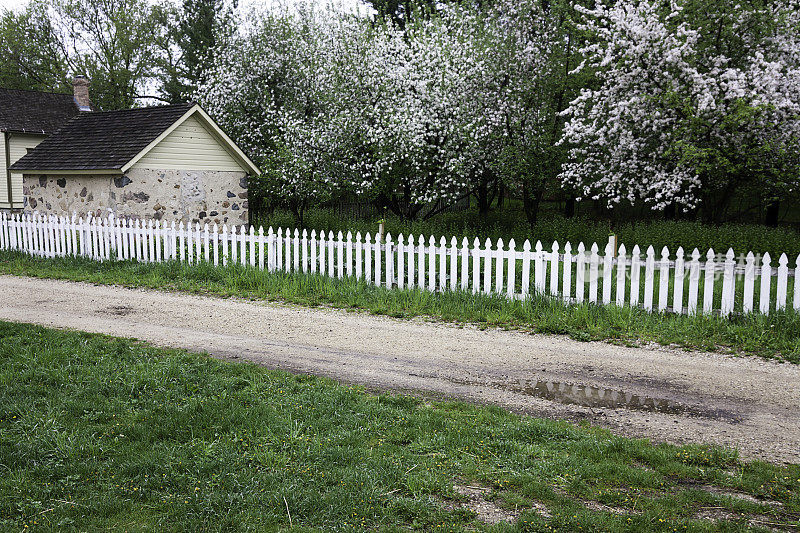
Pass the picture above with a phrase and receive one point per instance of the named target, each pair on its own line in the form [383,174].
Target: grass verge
[103,433]
[775,336]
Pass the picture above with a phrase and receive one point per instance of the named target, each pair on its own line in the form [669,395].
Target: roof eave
[82,171]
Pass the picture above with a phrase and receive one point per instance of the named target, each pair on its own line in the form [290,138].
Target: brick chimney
[80,88]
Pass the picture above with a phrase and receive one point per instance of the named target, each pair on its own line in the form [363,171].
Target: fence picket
[636,270]
[554,269]
[378,272]
[594,266]
[410,253]
[498,267]
[487,267]
[580,273]
[621,263]
[538,268]
[526,268]
[783,275]
[368,257]
[677,288]
[431,264]
[512,269]
[649,275]
[314,259]
[304,250]
[421,262]
[464,264]
[608,266]
[442,264]
[708,287]
[389,261]
[663,280]
[476,266]
[331,257]
[340,255]
[350,253]
[567,282]
[728,284]
[401,262]
[796,301]
[766,284]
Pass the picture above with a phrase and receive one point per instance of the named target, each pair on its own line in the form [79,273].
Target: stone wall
[181,195]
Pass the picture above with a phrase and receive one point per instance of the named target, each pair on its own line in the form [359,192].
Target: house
[164,162]
[26,119]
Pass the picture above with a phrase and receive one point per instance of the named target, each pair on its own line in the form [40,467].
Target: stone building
[165,163]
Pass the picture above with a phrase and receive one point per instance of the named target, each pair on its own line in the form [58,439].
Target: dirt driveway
[661,394]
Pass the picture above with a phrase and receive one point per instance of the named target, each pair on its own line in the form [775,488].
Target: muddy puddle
[576,394]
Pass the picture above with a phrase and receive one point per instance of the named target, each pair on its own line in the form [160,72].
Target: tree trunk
[669,212]
[569,207]
[773,211]
[531,199]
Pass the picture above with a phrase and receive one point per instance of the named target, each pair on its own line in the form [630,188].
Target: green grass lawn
[102,433]
[774,336]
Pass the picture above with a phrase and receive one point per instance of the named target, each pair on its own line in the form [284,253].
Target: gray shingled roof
[35,112]
[101,141]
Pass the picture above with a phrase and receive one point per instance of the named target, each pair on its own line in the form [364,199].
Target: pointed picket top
[205,228]
[609,249]
[172,226]
[512,245]
[710,255]
[421,240]
[368,238]
[313,234]
[488,243]
[500,243]
[595,248]
[349,236]
[556,246]
[567,248]
[296,233]
[538,246]
[442,242]
[526,246]
[750,258]
[650,252]
[260,230]
[358,236]
[695,255]
[305,233]
[783,260]
[465,244]
[476,243]
[252,231]
[679,252]
[388,238]
[340,236]
[581,248]
[280,233]
[620,252]
[665,253]
[400,240]
[270,231]
[432,241]
[453,242]
[797,261]
[766,260]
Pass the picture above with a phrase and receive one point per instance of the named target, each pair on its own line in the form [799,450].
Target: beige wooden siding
[18,144]
[191,146]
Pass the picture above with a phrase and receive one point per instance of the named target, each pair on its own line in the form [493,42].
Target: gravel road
[659,393]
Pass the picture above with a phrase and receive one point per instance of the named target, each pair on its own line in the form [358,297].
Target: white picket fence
[574,275]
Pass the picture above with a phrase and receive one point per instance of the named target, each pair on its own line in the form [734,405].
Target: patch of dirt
[116,310]
[716,514]
[601,507]
[487,511]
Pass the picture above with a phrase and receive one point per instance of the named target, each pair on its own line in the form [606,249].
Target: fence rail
[680,283]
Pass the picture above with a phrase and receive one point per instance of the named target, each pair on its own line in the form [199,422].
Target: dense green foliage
[773,336]
[510,222]
[99,433]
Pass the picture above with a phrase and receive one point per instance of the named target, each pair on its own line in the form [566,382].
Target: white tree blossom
[686,106]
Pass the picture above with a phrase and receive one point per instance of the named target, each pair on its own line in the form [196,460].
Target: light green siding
[19,144]
[191,146]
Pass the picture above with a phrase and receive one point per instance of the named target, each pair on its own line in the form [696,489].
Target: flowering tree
[692,102]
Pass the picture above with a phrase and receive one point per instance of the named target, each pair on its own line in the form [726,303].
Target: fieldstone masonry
[181,195]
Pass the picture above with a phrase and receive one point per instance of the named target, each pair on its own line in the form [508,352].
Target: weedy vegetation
[104,433]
